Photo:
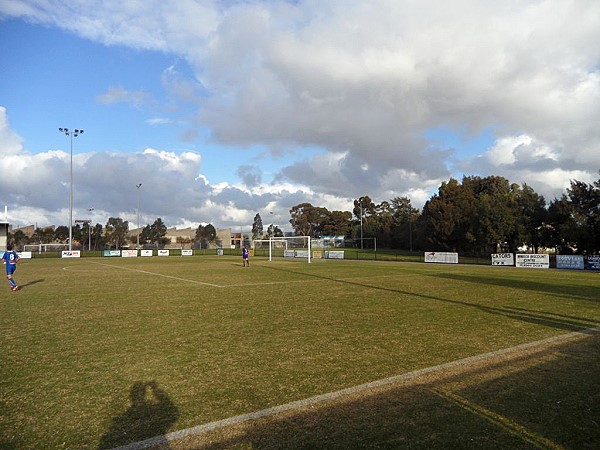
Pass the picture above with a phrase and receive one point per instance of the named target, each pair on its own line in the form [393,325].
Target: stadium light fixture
[90,231]
[138,186]
[71,134]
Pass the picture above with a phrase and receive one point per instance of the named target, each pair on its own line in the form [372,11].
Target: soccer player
[245,257]
[11,258]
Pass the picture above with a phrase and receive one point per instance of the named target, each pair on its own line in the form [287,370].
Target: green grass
[213,340]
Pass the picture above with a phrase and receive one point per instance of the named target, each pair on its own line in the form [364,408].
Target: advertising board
[129,253]
[163,252]
[70,254]
[441,257]
[334,254]
[593,262]
[503,259]
[570,262]
[187,252]
[533,261]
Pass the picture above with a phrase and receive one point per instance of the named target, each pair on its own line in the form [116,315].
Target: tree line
[478,216]
[114,234]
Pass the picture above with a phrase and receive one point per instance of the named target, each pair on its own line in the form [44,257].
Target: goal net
[286,247]
[44,248]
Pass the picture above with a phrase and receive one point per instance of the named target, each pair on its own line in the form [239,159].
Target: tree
[205,235]
[43,235]
[155,234]
[532,217]
[98,238]
[448,216]
[364,211]
[308,220]
[405,217]
[585,213]
[338,223]
[273,231]
[61,234]
[257,227]
[116,231]
[18,238]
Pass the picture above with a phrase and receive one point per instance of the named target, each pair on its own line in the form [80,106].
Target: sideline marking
[236,420]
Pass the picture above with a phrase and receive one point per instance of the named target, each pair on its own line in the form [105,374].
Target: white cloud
[363,81]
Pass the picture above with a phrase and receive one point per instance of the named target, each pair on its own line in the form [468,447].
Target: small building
[3,236]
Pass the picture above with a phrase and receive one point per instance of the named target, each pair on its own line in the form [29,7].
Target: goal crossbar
[305,240]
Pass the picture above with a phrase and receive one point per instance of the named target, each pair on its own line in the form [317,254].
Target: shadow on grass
[150,415]
[549,399]
[558,321]
[586,293]
[32,282]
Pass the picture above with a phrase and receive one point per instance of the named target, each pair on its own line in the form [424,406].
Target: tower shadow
[150,415]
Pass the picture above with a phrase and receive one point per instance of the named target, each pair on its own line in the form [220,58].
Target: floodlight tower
[138,186]
[76,132]
[90,231]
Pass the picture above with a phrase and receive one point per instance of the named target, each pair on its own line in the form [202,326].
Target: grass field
[102,352]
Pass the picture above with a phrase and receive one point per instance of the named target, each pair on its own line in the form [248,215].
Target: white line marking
[160,275]
[236,420]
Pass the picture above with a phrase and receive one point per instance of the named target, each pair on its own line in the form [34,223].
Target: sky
[225,109]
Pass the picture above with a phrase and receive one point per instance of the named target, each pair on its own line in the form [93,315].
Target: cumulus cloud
[364,81]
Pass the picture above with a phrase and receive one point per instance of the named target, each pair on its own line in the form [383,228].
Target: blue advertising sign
[569,262]
[593,262]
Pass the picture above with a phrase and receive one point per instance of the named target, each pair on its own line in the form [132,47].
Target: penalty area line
[186,280]
[311,401]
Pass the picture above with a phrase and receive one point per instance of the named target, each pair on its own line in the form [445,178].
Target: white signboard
[503,259]
[187,252]
[441,257]
[163,252]
[534,261]
[128,253]
[145,252]
[71,254]
[25,255]
[334,254]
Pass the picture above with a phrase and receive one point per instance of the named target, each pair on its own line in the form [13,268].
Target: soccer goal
[288,247]
[44,248]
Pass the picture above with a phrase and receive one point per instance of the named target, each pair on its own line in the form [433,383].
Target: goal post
[44,248]
[288,247]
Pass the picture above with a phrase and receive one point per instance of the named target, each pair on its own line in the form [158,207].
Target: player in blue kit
[245,257]
[11,258]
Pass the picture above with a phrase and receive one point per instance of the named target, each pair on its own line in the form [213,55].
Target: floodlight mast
[138,186]
[71,134]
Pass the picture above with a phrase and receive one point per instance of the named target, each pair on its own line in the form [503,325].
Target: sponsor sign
[24,255]
[145,252]
[70,254]
[289,253]
[533,261]
[163,253]
[441,257]
[503,259]
[334,254]
[187,252]
[112,253]
[129,253]
[570,262]
[593,262]
[219,252]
